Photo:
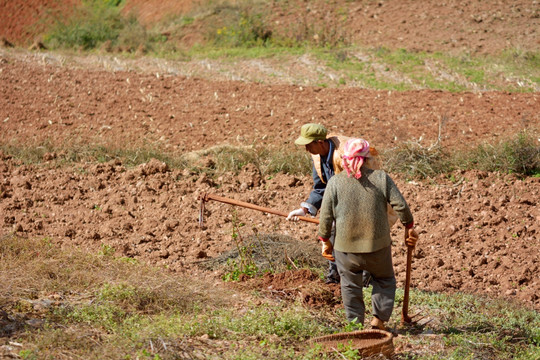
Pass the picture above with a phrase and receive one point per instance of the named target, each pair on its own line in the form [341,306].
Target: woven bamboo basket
[367,342]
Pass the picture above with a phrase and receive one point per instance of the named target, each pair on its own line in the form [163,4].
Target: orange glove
[411,237]
[327,249]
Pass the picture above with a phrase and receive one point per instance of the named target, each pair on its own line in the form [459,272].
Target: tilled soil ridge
[477,235]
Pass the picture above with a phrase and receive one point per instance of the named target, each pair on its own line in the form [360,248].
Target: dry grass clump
[518,155]
[415,160]
[227,158]
[268,253]
[37,269]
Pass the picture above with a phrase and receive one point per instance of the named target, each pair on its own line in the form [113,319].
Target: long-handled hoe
[405,318]
[205,197]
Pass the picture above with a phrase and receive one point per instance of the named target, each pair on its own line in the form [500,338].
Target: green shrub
[245,30]
[98,23]
[93,23]
[133,36]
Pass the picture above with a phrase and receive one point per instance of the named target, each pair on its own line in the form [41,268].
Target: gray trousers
[351,267]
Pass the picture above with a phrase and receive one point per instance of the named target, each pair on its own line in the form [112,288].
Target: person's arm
[314,201]
[327,215]
[398,203]
[325,223]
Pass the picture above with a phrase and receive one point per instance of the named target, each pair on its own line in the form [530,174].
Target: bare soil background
[456,26]
[479,231]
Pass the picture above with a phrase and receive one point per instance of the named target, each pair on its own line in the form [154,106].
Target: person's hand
[293,215]
[411,237]
[327,250]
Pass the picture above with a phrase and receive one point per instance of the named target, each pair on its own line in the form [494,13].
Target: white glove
[293,215]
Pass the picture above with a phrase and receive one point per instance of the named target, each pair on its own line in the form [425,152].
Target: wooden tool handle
[222,199]
[405,312]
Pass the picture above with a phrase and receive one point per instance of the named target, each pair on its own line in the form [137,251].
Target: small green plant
[107,250]
[120,292]
[239,269]
[47,242]
[347,351]
[245,264]
[352,326]
[128,260]
[28,354]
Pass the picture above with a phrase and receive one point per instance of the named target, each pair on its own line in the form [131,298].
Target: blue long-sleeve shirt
[314,201]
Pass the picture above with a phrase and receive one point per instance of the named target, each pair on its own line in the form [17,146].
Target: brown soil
[456,26]
[479,233]
[22,22]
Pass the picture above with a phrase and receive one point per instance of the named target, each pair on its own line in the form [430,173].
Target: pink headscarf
[355,151]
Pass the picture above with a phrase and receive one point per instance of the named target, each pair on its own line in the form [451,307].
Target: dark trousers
[333,274]
[351,267]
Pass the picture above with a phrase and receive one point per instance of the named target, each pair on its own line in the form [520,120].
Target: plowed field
[479,232]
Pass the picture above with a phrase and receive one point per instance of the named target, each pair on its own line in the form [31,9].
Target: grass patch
[400,69]
[248,30]
[98,306]
[214,161]
[32,267]
[268,161]
[98,23]
[520,155]
[478,327]
[517,155]
[279,54]
[73,153]
[417,161]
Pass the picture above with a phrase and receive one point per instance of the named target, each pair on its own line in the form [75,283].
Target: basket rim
[386,336]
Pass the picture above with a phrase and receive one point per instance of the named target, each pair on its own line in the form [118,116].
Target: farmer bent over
[356,201]
[326,153]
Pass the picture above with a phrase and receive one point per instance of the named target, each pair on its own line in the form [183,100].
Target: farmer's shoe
[377,323]
[331,280]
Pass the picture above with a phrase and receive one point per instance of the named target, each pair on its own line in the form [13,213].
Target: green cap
[310,133]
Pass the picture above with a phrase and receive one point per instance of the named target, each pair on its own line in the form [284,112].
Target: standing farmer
[356,201]
[326,153]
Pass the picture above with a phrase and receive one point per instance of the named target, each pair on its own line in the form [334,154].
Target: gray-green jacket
[359,209]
